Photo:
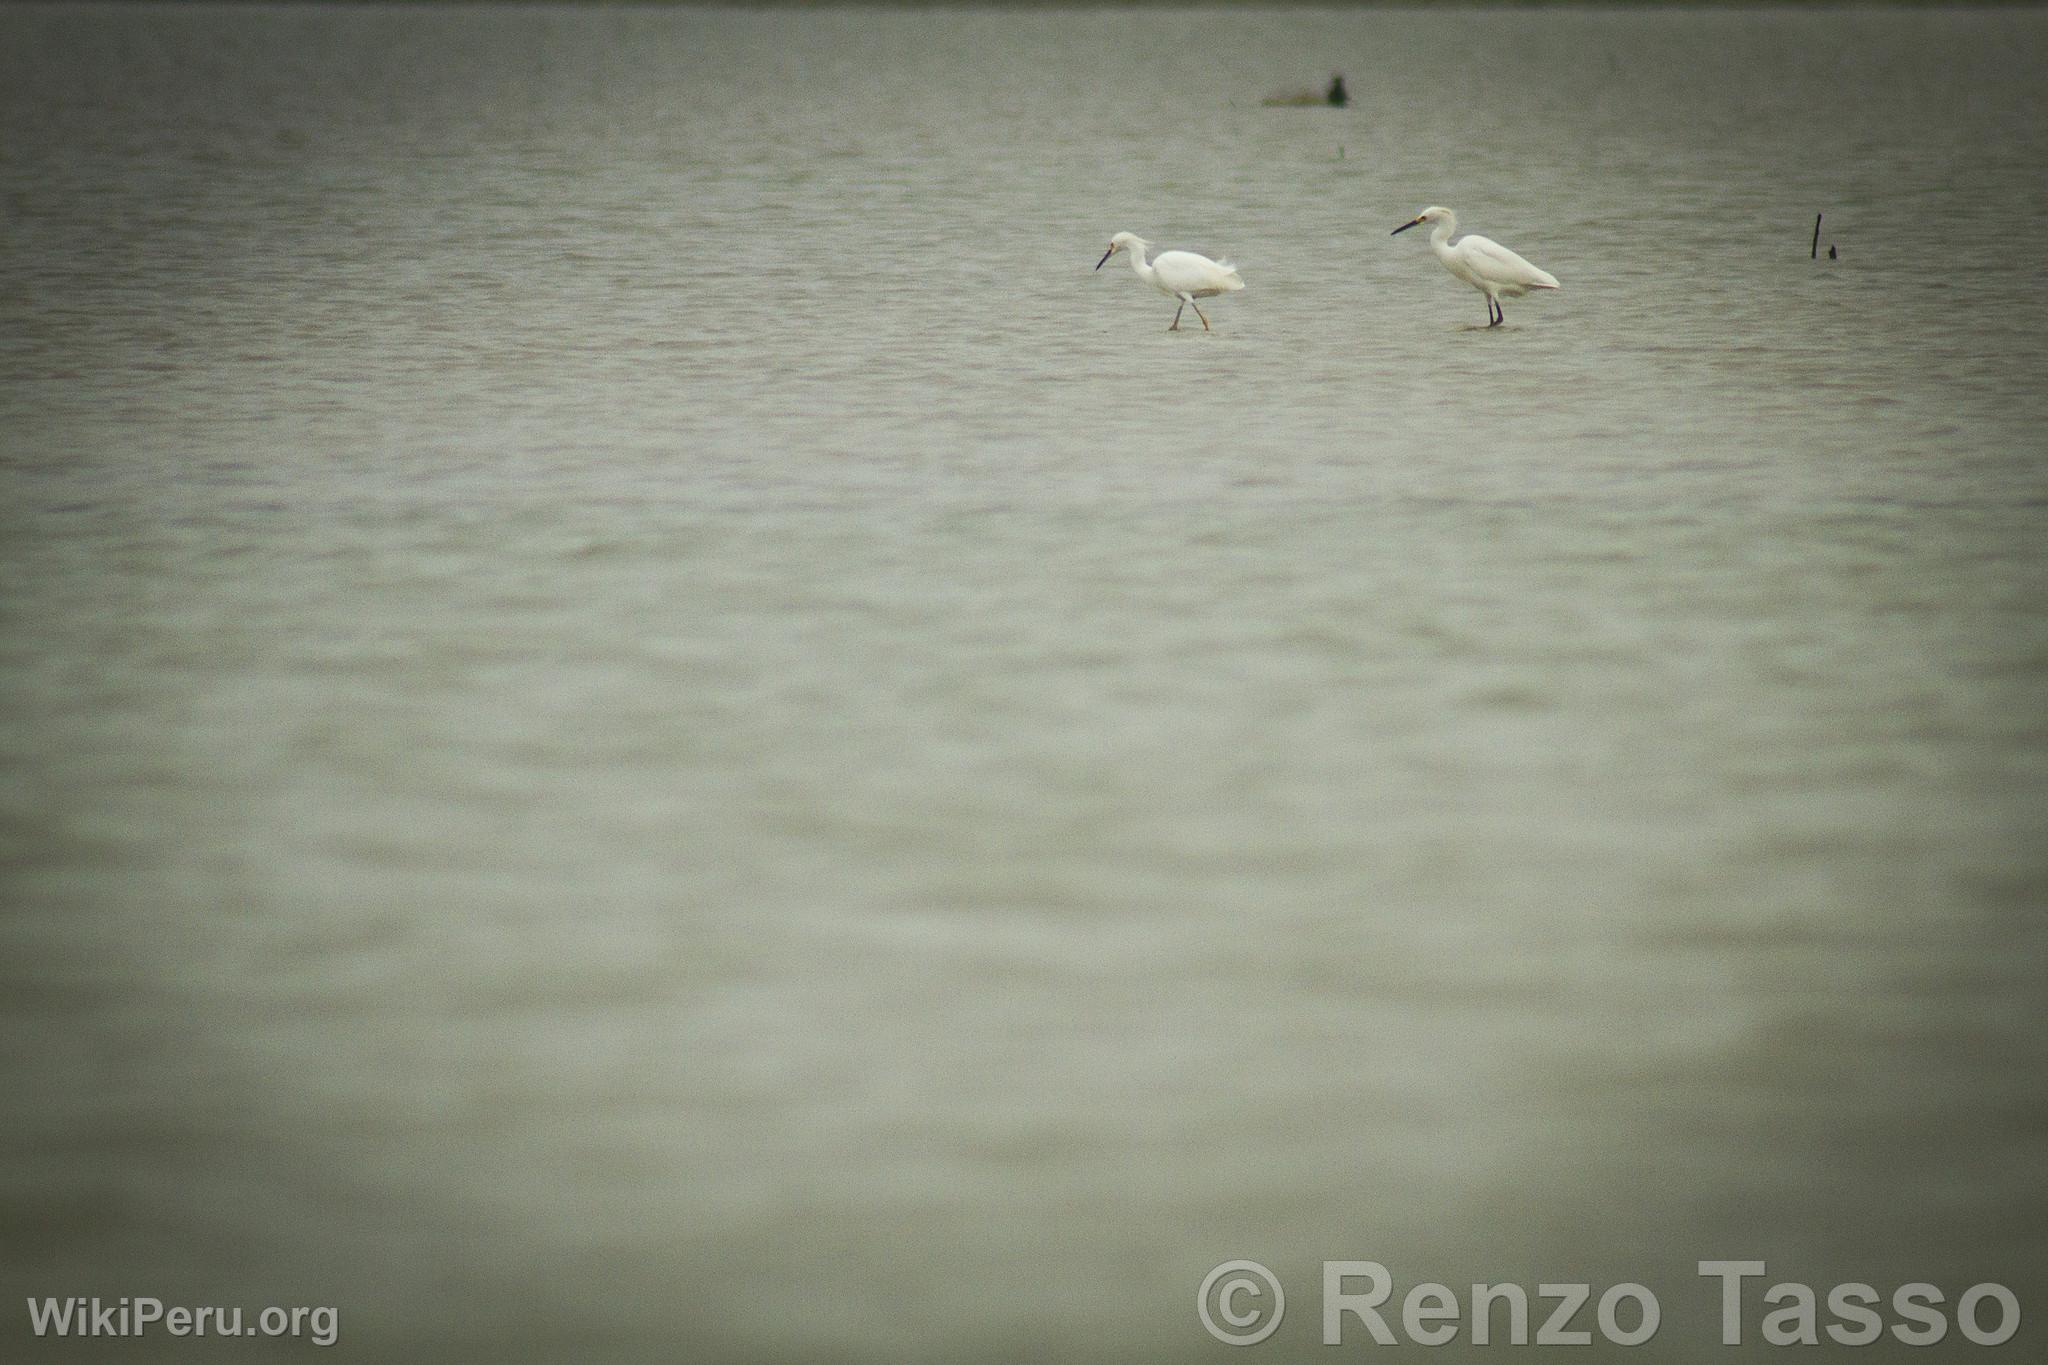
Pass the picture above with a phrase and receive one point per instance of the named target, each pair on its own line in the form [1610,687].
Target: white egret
[1180,274]
[1481,262]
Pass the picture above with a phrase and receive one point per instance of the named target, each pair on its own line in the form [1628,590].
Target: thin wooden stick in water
[1816,236]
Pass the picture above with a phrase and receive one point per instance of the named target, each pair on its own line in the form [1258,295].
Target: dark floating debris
[1831,252]
[1336,97]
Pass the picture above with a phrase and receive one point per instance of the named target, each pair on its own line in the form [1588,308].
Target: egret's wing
[1503,266]
[1191,270]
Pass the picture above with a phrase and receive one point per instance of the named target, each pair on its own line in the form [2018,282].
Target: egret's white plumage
[1182,275]
[1481,262]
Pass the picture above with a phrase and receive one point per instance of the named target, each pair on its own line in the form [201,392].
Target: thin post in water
[1816,236]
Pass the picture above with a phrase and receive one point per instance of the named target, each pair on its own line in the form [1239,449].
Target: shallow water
[643,723]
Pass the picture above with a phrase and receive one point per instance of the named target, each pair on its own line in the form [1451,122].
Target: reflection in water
[618,744]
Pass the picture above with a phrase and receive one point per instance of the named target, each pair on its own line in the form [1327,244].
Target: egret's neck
[1137,251]
[1440,239]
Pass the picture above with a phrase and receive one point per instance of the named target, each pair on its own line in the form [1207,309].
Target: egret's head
[1434,213]
[1118,243]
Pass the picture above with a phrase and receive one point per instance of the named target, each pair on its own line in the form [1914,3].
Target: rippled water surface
[642,722]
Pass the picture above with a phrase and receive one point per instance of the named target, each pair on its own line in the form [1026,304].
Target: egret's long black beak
[1404,227]
[1105,258]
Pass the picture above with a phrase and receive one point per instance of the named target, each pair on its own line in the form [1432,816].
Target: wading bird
[1180,274]
[1481,262]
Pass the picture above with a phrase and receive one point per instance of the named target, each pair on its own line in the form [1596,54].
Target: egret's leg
[1175,325]
[1198,313]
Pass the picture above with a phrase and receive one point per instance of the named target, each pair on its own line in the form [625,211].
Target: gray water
[642,722]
